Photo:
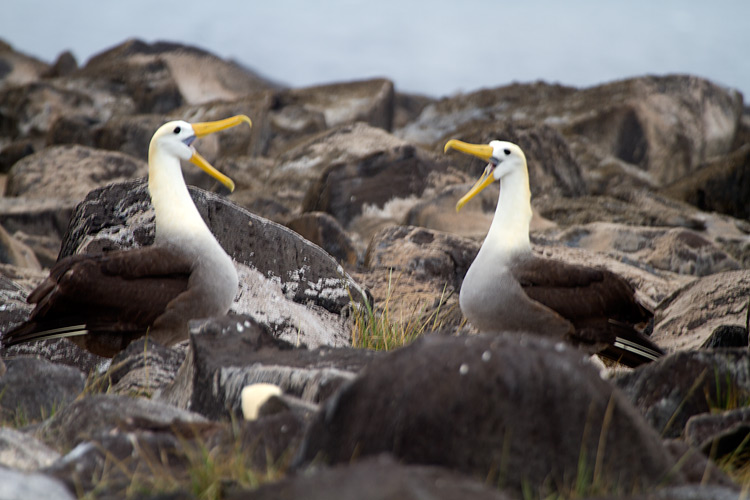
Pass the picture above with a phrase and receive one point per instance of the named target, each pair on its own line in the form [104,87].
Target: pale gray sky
[438,47]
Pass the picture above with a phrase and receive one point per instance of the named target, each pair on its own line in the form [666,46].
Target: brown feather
[600,304]
[120,293]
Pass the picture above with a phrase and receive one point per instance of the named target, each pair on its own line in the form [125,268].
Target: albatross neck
[509,232]
[176,217]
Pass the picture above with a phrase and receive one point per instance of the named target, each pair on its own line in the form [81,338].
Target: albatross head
[175,139]
[503,159]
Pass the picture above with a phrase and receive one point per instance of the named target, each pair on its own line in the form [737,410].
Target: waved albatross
[509,288]
[104,302]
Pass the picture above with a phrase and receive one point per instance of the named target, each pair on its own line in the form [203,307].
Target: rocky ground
[344,199]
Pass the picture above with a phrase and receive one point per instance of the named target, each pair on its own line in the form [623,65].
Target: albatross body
[509,288]
[103,302]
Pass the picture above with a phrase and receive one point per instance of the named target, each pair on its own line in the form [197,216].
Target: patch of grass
[19,417]
[726,394]
[191,467]
[377,328]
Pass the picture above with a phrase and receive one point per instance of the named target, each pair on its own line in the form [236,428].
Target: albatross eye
[177,130]
[506,151]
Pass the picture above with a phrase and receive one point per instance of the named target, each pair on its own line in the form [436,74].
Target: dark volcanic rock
[374,479]
[96,414]
[727,336]
[33,389]
[675,388]
[226,354]
[519,410]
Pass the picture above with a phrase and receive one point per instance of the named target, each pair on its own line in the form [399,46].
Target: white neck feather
[509,232]
[177,219]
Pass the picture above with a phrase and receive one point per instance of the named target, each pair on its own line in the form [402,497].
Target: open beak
[480,151]
[205,128]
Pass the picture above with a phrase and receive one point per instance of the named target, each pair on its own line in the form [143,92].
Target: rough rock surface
[70,172]
[33,389]
[375,479]
[516,410]
[230,353]
[684,384]
[688,317]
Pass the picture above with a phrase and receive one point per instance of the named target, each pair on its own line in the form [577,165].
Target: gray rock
[721,185]
[17,68]
[416,273]
[374,479]
[16,485]
[142,368]
[326,232]
[64,65]
[128,134]
[688,317]
[228,353]
[13,152]
[621,120]
[15,252]
[31,110]
[90,416]
[22,452]
[36,216]
[70,172]
[518,410]
[235,141]
[721,434]
[727,336]
[670,391]
[363,176]
[676,250]
[110,464]
[44,247]
[689,492]
[162,76]
[35,389]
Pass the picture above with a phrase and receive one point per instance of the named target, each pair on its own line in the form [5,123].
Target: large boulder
[70,172]
[17,68]
[672,390]
[163,76]
[518,410]
[374,479]
[227,354]
[34,389]
[688,317]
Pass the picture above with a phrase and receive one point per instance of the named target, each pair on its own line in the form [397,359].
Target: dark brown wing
[600,304]
[579,292]
[118,292]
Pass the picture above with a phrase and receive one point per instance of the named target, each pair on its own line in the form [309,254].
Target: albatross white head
[177,219]
[506,163]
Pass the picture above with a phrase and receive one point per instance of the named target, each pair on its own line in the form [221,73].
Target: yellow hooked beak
[205,128]
[480,151]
